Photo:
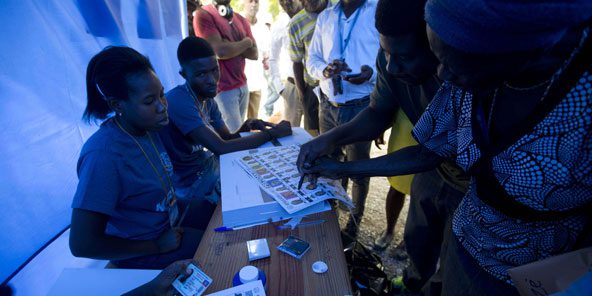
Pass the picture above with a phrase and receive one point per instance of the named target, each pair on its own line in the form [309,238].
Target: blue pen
[224,228]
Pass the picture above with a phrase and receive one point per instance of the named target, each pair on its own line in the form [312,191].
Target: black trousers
[431,208]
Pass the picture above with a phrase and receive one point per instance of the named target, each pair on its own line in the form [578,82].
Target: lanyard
[201,108]
[343,46]
[161,179]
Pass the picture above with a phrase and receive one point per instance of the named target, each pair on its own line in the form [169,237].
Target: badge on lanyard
[172,208]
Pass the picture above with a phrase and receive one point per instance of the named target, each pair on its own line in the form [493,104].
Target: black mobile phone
[348,76]
[337,85]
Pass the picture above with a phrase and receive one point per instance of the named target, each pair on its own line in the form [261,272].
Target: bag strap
[489,190]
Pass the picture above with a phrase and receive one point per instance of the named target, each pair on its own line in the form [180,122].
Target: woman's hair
[106,78]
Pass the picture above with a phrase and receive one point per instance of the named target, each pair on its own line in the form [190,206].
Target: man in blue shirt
[197,133]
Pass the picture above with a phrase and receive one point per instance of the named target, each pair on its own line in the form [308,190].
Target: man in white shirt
[254,68]
[342,57]
[282,75]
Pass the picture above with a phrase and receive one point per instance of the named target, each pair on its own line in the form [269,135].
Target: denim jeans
[233,106]
[331,117]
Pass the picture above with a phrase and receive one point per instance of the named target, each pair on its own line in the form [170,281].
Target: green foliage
[237,5]
[274,8]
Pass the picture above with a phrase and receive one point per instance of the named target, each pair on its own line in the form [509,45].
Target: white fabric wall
[45,47]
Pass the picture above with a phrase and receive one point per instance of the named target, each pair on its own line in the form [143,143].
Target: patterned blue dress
[547,169]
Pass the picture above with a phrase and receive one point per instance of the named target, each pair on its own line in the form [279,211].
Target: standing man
[346,40]
[301,29]
[254,68]
[282,76]
[230,36]
[405,85]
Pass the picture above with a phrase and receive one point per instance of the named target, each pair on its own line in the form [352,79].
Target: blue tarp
[46,45]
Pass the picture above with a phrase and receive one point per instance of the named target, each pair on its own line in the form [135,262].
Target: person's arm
[224,49]
[88,239]
[316,63]
[162,283]
[409,160]
[210,139]
[274,58]
[252,53]
[297,57]
[366,126]
[298,68]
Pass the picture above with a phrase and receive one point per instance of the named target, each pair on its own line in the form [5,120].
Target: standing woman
[516,114]
[125,208]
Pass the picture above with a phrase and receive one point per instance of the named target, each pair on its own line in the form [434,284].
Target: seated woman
[125,207]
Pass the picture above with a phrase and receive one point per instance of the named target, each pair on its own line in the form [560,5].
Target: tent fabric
[43,56]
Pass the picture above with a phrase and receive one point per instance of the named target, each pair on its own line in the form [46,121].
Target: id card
[173,208]
[195,284]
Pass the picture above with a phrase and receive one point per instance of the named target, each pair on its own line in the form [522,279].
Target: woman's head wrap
[501,26]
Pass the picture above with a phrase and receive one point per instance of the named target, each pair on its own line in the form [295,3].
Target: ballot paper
[244,201]
[249,289]
[275,170]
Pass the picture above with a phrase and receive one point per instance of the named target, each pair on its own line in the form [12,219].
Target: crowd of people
[489,101]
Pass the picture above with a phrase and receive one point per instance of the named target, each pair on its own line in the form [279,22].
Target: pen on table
[224,228]
[302,224]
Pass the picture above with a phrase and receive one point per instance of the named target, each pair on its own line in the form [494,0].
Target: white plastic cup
[248,274]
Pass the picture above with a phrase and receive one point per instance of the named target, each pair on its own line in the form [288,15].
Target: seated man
[196,128]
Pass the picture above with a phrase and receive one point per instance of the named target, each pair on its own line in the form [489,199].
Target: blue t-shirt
[116,179]
[188,158]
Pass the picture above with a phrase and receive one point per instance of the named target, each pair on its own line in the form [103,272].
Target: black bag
[366,272]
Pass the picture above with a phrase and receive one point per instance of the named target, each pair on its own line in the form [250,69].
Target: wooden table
[222,254]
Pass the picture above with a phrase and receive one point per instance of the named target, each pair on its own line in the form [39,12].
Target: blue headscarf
[501,26]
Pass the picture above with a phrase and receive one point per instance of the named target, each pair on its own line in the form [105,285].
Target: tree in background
[273,8]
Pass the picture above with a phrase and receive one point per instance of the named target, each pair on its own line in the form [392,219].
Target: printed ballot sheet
[275,169]
[249,289]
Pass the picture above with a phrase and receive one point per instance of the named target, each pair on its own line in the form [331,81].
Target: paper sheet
[249,289]
[275,169]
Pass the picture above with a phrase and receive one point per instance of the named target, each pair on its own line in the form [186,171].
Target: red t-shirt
[207,22]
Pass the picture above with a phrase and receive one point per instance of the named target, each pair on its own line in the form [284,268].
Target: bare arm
[88,239]
[225,49]
[226,143]
[299,77]
[366,126]
[252,53]
[409,160]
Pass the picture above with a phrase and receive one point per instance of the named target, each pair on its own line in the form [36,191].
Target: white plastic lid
[248,274]
[320,267]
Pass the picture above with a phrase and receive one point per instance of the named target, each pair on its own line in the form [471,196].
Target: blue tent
[43,56]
